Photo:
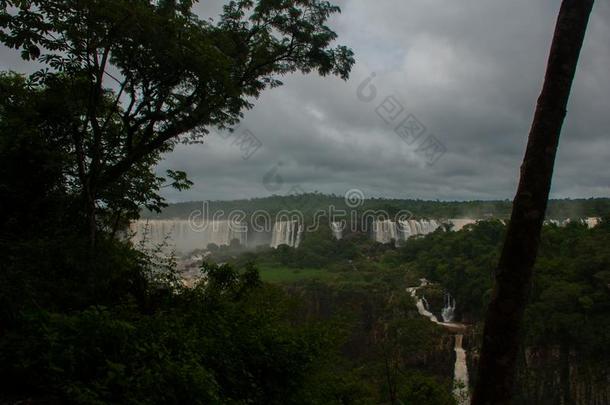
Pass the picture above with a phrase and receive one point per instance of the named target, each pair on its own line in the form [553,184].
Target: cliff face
[557,376]
[546,376]
[369,309]
[552,376]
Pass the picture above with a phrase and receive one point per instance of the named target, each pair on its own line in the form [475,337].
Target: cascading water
[558,222]
[428,226]
[286,233]
[337,229]
[184,236]
[591,222]
[449,309]
[460,373]
[299,235]
[404,230]
[384,231]
[426,303]
[421,303]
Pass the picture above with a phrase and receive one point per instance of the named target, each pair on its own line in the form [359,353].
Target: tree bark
[503,323]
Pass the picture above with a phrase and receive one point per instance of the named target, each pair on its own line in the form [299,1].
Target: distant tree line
[311,202]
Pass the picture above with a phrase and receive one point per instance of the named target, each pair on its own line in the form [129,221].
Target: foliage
[310,203]
[86,317]
[230,340]
[134,78]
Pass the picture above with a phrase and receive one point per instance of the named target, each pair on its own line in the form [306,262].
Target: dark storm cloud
[470,71]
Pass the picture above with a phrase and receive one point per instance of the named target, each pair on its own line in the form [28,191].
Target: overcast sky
[468,71]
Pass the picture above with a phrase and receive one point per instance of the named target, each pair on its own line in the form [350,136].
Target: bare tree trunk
[513,276]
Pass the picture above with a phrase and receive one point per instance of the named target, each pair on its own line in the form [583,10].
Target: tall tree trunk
[513,276]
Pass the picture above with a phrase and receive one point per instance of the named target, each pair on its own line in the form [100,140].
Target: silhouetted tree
[139,77]
[503,324]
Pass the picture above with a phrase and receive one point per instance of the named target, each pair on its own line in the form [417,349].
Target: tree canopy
[136,77]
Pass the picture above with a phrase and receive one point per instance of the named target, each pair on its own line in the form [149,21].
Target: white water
[592,222]
[184,236]
[421,303]
[557,222]
[460,373]
[449,308]
[422,308]
[337,229]
[384,231]
[286,233]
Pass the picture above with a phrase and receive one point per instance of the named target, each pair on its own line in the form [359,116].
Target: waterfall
[286,233]
[415,227]
[449,308]
[592,222]
[426,303]
[337,229]
[299,235]
[405,231]
[386,230]
[421,303]
[428,226]
[421,308]
[460,373]
[558,222]
[185,236]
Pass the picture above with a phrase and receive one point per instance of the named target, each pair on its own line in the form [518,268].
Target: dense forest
[88,316]
[309,203]
[565,353]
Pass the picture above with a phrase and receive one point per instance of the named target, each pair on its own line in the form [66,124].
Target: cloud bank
[468,71]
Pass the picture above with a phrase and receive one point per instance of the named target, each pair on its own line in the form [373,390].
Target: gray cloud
[470,71]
